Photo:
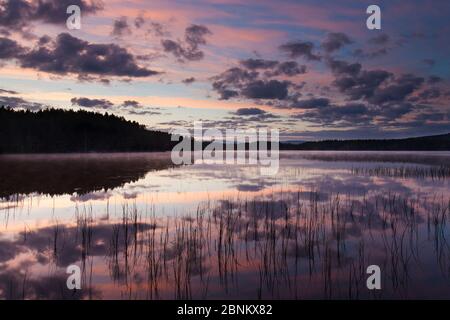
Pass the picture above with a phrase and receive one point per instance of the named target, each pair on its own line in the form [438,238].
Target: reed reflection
[310,232]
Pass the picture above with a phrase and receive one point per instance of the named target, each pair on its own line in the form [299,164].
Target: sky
[309,68]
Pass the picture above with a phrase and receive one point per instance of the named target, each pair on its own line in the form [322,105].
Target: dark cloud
[243,118]
[178,51]
[423,118]
[371,132]
[360,53]
[333,115]
[312,103]
[54,11]
[287,68]
[188,80]
[11,101]
[260,89]
[375,98]
[398,90]
[157,29]
[385,98]
[195,35]
[131,104]
[254,64]
[17,102]
[139,22]
[182,53]
[17,14]
[431,93]
[381,39]
[249,111]
[434,79]
[392,111]
[69,54]
[121,27]
[362,85]
[357,114]
[335,41]
[44,40]
[92,103]
[229,83]
[14,14]
[9,48]
[274,68]
[133,107]
[339,67]
[235,83]
[89,78]
[249,187]
[8,91]
[227,94]
[247,82]
[380,42]
[296,49]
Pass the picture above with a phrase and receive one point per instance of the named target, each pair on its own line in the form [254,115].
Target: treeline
[429,143]
[63,131]
[67,131]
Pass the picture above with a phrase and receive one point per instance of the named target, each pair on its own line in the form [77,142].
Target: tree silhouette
[62,131]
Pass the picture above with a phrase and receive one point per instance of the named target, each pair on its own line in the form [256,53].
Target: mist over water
[141,228]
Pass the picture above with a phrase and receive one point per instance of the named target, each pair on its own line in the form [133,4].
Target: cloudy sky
[310,68]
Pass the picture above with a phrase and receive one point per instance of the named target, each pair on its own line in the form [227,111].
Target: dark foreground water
[141,228]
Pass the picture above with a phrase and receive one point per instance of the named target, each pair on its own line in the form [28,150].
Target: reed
[286,245]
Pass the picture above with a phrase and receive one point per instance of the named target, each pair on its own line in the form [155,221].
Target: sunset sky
[309,68]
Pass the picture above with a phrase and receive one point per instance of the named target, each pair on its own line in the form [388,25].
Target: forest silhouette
[69,131]
[63,131]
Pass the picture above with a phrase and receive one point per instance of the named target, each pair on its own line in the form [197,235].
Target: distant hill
[63,131]
[429,143]
[294,141]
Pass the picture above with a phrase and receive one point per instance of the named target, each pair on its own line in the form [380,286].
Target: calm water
[141,228]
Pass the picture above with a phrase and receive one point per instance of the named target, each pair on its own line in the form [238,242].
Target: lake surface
[141,228]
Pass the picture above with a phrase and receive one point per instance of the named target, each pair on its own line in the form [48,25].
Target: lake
[140,227]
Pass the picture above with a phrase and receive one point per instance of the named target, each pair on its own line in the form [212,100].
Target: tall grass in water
[417,172]
[291,244]
[280,245]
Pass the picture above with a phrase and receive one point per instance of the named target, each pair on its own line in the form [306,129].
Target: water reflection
[66,174]
[212,231]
